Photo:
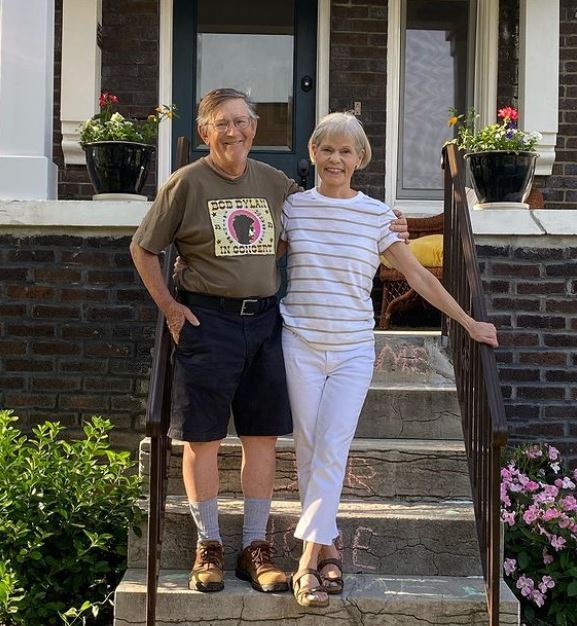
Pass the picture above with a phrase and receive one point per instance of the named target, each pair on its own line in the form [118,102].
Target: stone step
[368,600]
[411,357]
[377,469]
[394,538]
[410,411]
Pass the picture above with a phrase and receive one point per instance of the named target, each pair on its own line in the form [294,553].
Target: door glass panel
[250,47]
[436,60]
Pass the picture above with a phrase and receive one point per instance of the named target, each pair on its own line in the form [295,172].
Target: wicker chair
[397,294]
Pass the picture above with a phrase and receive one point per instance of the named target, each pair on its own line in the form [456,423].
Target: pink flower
[509,566]
[569,503]
[547,558]
[553,453]
[558,542]
[526,585]
[106,99]
[563,521]
[546,583]
[551,491]
[508,518]
[508,113]
[534,452]
[531,486]
[530,515]
[575,473]
[551,514]
[538,598]
[505,500]
[566,483]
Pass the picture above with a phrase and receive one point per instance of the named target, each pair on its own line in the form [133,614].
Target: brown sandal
[333,584]
[301,593]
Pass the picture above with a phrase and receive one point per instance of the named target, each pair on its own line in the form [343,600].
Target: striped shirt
[333,254]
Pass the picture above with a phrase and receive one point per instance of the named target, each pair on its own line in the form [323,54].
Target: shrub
[539,509]
[65,508]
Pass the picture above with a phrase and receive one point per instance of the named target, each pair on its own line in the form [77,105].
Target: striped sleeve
[386,236]
[284,220]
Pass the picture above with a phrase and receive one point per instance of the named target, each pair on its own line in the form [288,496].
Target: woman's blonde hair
[342,124]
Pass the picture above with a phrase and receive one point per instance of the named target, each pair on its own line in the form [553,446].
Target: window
[251,47]
[437,67]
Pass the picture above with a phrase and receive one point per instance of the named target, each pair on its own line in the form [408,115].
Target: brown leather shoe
[255,566]
[207,572]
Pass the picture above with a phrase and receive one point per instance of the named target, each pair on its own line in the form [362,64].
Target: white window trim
[80,73]
[539,75]
[165,76]
[485,94]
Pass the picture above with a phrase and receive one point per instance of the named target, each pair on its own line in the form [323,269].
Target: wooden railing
[478,388]
[157,420]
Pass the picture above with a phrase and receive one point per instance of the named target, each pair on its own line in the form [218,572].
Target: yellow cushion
[428,250]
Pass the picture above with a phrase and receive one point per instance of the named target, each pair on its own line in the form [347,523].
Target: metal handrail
[157,420]
[478,387]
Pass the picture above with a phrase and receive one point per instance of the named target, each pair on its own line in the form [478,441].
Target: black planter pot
[118,166]
[501,176]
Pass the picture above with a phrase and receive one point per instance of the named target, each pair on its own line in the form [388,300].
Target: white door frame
[165,76]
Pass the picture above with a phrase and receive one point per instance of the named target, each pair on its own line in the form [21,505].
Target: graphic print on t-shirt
[241,226]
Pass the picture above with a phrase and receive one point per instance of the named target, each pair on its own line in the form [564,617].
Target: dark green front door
[266,48]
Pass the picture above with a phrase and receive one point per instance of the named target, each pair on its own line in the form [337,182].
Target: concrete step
[377,469]
[395,538]
[368,600]
[411,357]
[410,411]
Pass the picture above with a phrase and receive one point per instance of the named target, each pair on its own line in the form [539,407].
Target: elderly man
[223,213]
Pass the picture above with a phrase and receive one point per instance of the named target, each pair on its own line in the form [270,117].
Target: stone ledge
[95,218]
[124,216]
[524,222]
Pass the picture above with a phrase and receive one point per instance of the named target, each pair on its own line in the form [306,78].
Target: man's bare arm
[148,267]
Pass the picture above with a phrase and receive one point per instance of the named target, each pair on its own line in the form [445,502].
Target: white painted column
[539,75]
[486,61]
[26,98]
[81,72]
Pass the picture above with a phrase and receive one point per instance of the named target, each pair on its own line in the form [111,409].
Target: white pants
[326,390]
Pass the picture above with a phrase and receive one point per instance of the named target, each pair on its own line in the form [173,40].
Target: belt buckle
[248,301]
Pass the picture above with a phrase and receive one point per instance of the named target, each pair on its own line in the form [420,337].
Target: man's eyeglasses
[240,123]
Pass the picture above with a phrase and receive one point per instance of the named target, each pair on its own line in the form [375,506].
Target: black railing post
[478,388]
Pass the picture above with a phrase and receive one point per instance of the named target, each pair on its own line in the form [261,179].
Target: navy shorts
[229,361]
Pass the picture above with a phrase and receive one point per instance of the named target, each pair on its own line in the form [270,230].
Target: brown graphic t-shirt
[226,230]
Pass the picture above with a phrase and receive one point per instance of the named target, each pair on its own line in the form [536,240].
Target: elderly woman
[223,212]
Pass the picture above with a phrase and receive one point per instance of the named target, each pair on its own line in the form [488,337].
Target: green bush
[65,508]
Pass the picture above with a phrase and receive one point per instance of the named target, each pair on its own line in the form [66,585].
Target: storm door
[266,48]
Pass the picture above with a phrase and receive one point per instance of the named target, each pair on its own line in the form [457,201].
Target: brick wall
[532,299]
[561,188]
[129,70]
[358,72]
[76,332]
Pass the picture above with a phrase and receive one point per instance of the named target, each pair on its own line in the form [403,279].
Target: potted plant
[119,150]
[500,157]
